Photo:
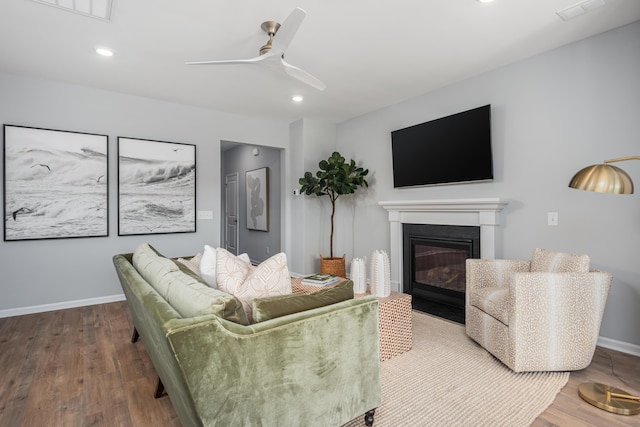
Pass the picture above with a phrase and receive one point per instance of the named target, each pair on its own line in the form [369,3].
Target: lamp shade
[602,178]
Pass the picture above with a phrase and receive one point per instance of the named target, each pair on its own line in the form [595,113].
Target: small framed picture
[156,187]
[257,186]
[55,184]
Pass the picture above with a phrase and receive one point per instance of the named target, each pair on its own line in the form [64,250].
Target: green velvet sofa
[318,367]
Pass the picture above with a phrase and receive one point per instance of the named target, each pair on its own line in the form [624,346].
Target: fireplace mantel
[481,212]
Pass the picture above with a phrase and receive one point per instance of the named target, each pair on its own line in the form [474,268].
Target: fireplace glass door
[434,258]
[440,266]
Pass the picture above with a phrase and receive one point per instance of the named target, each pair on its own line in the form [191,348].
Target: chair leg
[135,336]
[368,417]
[159,389]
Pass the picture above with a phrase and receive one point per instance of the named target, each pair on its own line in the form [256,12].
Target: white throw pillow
[268,279]
[245,257]
[208,265]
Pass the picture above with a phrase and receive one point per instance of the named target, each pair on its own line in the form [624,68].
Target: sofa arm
[314,368]
[482,273]
[557,314]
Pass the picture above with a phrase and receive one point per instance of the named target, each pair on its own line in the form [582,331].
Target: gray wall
[57,273]
[311,141]
[260,245]
[552,115]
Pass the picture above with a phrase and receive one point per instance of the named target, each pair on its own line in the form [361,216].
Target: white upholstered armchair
[537,315]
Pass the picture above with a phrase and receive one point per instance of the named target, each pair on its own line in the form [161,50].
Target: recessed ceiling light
[104,51]
[485,1]
[297,98]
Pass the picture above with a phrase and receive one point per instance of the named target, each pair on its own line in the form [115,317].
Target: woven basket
[333,265]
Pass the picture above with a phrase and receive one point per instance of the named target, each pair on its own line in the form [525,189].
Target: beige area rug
[449,380]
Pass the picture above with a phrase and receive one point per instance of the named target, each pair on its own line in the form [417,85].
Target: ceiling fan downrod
[271,28]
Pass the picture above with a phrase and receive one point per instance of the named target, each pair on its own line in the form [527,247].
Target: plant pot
[333,265]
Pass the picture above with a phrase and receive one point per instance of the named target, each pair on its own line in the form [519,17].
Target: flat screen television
[451,149]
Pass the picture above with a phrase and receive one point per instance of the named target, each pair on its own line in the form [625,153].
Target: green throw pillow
[270,308]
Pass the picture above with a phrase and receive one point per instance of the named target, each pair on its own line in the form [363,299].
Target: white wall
[552,115]
[311,141]
[55,273]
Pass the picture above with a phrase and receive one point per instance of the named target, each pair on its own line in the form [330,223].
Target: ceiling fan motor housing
[271,28]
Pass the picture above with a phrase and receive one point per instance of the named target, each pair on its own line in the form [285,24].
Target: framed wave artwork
[55,184]
[156,187]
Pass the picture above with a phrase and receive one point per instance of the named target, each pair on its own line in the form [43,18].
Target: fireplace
[434,269]
[482,213]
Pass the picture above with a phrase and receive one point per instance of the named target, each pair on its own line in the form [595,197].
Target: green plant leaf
[334,178]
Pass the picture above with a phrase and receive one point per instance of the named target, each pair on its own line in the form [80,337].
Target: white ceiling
[370,53]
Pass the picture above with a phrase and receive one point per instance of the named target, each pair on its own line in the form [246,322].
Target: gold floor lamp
[605,178]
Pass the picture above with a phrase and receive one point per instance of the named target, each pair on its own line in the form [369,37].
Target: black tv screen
[450,149]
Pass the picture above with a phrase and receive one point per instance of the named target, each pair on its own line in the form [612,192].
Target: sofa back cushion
[270,308]
[183,289]
[558,262]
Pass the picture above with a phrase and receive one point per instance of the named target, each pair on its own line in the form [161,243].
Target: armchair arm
[557,314]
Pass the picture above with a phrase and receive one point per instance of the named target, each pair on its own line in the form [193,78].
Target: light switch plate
[205,214]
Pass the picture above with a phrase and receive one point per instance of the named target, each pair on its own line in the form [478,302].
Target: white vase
[380,274]
[359,275]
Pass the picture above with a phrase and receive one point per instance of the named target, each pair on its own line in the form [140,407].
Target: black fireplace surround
[434,271]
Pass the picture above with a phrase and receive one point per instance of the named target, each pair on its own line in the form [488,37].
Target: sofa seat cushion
[270,278]
[492,300]
[558,262]
[270,308]
[183,289]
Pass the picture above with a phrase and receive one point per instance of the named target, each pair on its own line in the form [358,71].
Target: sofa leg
[159,389]
[135,335]
[368,417]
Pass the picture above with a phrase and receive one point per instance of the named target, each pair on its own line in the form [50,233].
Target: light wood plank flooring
[77,367]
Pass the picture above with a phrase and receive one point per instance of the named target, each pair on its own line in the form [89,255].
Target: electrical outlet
[267,250]
[296,192]
[552,219]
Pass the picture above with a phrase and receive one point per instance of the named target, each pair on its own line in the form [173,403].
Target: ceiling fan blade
[303,76]
[274,57]
[232,61]
[287,31]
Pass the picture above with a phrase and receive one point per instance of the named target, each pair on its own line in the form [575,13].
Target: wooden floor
[77,367]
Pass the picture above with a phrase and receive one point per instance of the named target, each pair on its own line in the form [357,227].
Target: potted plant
[335,178]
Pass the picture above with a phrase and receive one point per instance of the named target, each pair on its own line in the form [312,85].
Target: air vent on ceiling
[580,9]
[99,9]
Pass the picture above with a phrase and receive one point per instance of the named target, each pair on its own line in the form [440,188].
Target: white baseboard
[59,305]
[622,346]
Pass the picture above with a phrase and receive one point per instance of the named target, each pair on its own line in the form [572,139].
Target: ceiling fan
[272,53]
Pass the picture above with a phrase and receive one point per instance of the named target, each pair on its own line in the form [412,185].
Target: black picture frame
[257,191]
[156,187]
[55,184]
